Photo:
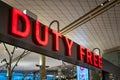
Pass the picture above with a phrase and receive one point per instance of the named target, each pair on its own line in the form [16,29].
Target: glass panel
[82,73]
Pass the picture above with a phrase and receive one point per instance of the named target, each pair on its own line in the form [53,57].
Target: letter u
[40,34]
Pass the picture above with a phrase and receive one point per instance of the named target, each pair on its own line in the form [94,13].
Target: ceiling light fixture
[25,11]
[101,4]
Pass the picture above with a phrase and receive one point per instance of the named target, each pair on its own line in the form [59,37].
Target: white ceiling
[65,11]
[102,31]
[29,61]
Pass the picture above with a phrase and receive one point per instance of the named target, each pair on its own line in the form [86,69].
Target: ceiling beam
[115,49]
[90,15]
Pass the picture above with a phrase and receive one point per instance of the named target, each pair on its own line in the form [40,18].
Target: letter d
[25,28]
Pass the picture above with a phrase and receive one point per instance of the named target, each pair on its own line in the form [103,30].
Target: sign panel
[82,73]
[20,30]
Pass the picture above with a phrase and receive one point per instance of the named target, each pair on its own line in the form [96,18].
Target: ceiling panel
[29,61]
[65,11]
[103,30]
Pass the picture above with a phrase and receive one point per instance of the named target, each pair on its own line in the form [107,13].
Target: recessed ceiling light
[101,4]
[25,11]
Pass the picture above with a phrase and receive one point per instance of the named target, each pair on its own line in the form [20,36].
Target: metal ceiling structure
[91,23]
[90,15]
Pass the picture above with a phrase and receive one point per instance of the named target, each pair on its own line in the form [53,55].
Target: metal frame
[90,15]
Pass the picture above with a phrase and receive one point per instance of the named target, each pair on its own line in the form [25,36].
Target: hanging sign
[21,30]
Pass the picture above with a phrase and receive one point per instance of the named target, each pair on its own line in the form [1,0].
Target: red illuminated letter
[88,57]
[43,34]
[80,52]
[68,46]
[56,37]
[100,62]
[95,60]
[15,30]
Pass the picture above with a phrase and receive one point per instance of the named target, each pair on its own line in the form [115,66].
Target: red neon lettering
[80,52]
[95,60]
[88,57]
[43,34]
[40,36]
[68,46]
[56,37]
[18,15]
[100,62]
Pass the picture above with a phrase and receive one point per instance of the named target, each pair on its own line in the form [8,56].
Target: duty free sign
[21,30]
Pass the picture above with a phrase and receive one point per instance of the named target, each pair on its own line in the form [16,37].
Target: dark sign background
[27,43]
